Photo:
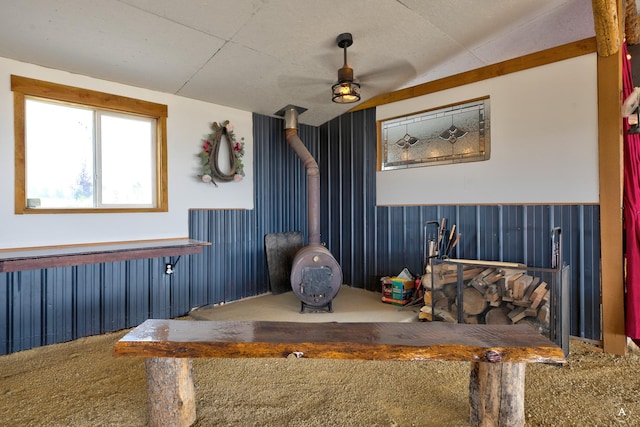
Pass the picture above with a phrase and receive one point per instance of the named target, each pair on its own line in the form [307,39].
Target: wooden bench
[497,353]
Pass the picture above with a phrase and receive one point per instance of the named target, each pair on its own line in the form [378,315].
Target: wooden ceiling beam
[606,22]
[631,23]
[548,56]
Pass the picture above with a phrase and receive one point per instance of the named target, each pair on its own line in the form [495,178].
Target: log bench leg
[170,392]
[496,394]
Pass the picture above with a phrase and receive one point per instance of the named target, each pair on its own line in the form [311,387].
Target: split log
[454,312]
[492,294]
[443,274]
[543,314]
[493,277]
[446,316]
[520,286]
[512,271]
[436,300]
[473,302]
[431,296]
[428,313]
[443,303]
[478,285]
[425,315]
[471,320]
[517,314]
[538,294]
[497,316]
[478,281]
[509,284]
[532,286]
[450,290]
[521,303]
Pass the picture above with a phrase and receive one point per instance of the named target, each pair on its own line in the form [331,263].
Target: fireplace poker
[455,243]
[430,241]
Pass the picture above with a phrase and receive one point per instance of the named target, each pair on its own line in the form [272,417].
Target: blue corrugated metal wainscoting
[54,305]
[59,304]
[371,241]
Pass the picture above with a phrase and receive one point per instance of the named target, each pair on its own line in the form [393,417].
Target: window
[85,151]
[449,134]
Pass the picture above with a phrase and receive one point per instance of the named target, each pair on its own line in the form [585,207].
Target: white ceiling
[260,55]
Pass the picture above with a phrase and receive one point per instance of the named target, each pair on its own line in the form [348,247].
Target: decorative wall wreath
[210,167]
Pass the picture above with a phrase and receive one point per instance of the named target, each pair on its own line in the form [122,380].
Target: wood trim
[610,157]
[379,145]
[81,245]
[107,101]
[69,255]
[23,87]
[548,56]
[20,196]
[49,211]
[162,175]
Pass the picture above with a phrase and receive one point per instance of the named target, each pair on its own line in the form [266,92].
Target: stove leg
[328,307]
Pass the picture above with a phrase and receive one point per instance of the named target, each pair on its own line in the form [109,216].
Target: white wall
[187,124]
[544,142]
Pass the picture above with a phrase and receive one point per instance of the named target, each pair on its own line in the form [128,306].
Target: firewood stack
[490,295]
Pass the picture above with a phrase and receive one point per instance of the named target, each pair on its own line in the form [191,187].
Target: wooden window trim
[23,87]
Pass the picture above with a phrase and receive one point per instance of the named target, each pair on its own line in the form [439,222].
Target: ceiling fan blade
[401,70]
[302,81]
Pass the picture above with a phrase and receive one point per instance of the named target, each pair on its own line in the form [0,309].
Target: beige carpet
[349,305]
[80,383]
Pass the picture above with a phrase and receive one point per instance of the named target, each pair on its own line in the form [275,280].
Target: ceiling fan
[346,90]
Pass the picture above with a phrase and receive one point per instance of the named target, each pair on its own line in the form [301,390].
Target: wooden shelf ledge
[68,255]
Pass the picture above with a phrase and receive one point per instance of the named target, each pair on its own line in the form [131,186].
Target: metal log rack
[557,277]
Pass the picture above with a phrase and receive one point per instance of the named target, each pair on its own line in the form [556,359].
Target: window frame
[24,87]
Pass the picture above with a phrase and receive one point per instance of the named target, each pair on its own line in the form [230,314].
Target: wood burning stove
[316,276]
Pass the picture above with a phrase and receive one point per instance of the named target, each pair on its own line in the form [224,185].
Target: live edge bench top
[363,341]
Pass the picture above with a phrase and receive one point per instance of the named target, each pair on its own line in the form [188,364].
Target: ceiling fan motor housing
[345,74]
